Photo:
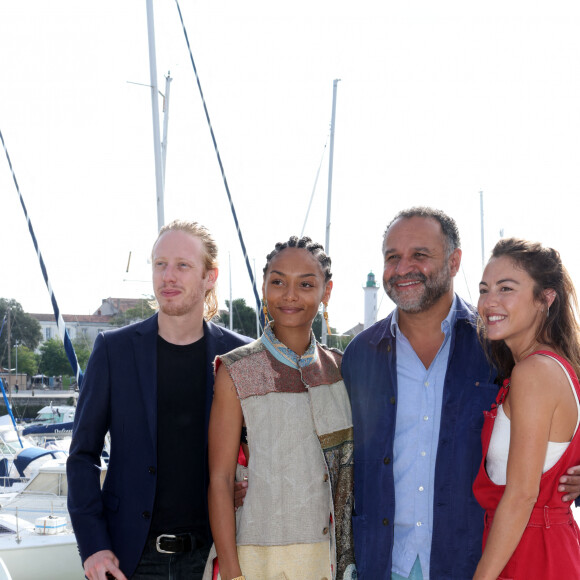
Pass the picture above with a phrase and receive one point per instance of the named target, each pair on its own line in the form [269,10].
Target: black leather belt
[174,543]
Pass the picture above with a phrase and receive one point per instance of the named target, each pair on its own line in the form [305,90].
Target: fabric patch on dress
[261,374]
[325,371]
[338,449]
[291,561]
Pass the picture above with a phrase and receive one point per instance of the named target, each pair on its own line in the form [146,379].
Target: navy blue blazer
[119,396]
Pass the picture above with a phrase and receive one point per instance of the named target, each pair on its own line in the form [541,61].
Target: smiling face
[507,305]
[294,287]
[417,270]
[180,281]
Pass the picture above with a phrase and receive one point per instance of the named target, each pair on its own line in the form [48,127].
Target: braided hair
[307,244]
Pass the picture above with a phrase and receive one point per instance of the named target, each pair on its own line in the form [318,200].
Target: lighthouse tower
[370,289]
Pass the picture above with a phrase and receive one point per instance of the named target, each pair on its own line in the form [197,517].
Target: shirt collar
[282,353]
[446,325]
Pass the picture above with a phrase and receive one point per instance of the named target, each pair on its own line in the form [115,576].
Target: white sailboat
[36,537]
[28,553]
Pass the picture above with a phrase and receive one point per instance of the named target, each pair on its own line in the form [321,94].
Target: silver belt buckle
[157,545]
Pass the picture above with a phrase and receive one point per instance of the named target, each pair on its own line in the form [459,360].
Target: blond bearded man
[150,385]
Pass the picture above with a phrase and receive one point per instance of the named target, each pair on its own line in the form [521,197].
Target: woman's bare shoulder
[538,373]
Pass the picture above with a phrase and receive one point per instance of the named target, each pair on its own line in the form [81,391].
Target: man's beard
[434,287]
[176,309]
[187,304]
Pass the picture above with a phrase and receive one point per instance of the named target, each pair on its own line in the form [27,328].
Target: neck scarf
[284,354]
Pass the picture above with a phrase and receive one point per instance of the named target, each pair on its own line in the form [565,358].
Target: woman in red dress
[530,437]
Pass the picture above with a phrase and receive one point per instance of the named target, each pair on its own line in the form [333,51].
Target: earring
[265,310]
[548,313]
[325,315]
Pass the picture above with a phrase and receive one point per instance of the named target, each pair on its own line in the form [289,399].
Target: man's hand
[241,488]
[102,566]
[570,484]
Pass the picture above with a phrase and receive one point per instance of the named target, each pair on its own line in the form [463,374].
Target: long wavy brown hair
[560,328]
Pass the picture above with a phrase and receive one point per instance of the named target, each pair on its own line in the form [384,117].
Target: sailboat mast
[168,80]
[155,110]
[329,198]
[482,237]
[257,310]
[330,166]
[231,294]
[9,344]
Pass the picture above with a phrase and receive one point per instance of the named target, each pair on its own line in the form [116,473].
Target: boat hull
[38,557]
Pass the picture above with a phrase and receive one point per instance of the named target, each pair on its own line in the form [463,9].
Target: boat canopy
[30,454]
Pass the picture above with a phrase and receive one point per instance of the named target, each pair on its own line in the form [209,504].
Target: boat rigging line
[314,187]
[213,138]
[68,346]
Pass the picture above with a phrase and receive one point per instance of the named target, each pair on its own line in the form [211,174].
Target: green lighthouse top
[371,283]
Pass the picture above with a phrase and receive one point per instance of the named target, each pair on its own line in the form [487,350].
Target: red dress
[549,548]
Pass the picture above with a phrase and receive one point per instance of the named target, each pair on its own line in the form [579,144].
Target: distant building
[354,330]
[86,327]
[112,306]
[79,326]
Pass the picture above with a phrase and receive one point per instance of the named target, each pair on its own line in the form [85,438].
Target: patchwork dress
[296,519]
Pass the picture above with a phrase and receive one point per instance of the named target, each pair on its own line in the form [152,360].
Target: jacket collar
[148,325]
[213,330]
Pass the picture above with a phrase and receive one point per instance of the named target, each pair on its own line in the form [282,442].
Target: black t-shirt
[181,496]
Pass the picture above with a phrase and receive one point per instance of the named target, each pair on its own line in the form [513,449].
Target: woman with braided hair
[285,394]
[530,437]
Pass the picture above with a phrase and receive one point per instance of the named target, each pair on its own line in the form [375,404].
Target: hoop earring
[265,310]
[325,315]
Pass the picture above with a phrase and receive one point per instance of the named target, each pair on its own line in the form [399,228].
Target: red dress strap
[502,394]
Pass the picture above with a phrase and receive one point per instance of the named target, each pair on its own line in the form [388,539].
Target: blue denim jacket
[370,372]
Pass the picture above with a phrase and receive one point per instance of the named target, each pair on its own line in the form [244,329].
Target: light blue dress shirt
[420,395]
